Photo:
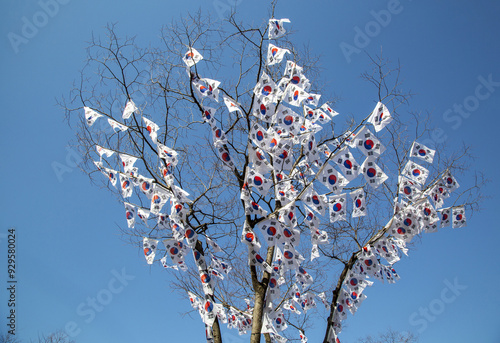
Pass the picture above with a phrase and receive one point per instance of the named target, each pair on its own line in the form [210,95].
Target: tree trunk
[216,331]
[260,298]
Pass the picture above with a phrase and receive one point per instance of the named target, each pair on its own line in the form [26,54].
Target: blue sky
[69,247]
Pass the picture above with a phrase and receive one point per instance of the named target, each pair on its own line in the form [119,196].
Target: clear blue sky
[68,241]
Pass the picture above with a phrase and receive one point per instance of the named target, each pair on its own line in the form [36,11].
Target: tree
[55,337]
[8,338]
[391,336]
[189,125]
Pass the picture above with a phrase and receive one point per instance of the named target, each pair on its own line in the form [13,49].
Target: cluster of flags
[310,185]
[413,214]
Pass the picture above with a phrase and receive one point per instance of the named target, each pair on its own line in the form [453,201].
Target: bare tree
[391,336]
[225,170]
[55,337]
[8,338]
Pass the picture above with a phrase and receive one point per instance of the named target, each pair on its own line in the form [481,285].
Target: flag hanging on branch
[334,181]
[112,176]
[129,109]
[347,163]
[415,172]
[159,197]
[125,185]
[328,110]
[232,105]
[421,151]
[177,252]
[130,214]
[103,151]
[445,216]
[275,54]
[91,116]
[359,203]
[409,188]
[143,213]
[388,250]
[262,110]
[191,57]
[380,117]
[225,158]
[450,182]
[314,200]
[149,246]
[273,231]
[128,162]
[369,145]
[257,181]
[116,125]
[372,172]
[152,128]
[338,205]
[267,90]
[458,217]
[276,29]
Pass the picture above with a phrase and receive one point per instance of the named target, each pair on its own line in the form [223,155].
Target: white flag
[91,116]
[128,163]
[149,246]
[112,175]
[130,214]
[170,155]
[314,200]
[327,109]
[232,105]
[275,54]
[116,125]
[262,110]
[294,95]
[159,198]
[152,128]
[333,180]
[445,216]
[338,206]
[459,219]
[103,151]
[191,57]
[372,172]
[125,185]
[415,172]
[219,136]
[359,203]
[368,143]
[267,89]
[276,28]
[450,182]
[257,181]
[380,117]
[347,163]
[143,213]
[129,109]
[409,188]
[421,151]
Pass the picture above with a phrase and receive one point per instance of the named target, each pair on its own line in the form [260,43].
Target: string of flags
[273,172]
